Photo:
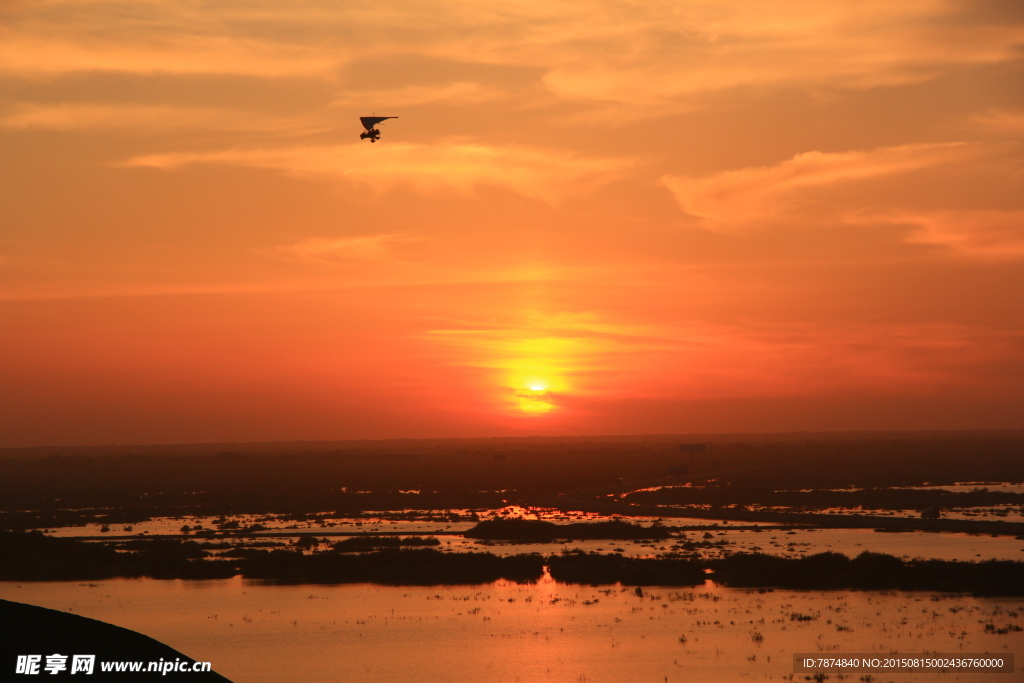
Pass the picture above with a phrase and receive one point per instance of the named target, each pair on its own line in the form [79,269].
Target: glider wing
[370,121]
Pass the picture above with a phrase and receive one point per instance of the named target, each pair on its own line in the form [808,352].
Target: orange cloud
[984,233]
[739,198]
[342,249]
[831,189]
[543,174]
[68,48]
[66,117]
[656,55]
[457,93]
[1002,121]
[642,54]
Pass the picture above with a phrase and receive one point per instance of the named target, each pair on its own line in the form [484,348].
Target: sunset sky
[591,217]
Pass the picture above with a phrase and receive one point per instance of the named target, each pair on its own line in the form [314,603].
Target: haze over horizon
[591,217]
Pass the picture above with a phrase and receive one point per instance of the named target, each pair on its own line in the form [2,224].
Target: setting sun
[534,401]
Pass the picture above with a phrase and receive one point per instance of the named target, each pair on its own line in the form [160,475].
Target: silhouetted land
[397,567]
[131,484]
[363,543]
[585,568]
[537,530]
[34,556]
[867,499]
[26,629]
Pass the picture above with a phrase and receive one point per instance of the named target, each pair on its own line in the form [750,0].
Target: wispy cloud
[758,195]
[863,188]
[544,174]
[457,93]
[331,251]
[1002,120]
[984,233]
[641,53]
[65,117]
[656,54]
[63,49]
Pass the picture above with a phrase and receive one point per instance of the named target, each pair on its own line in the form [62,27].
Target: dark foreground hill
[29,630]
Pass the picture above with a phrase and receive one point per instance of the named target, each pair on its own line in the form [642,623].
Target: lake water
[505,632]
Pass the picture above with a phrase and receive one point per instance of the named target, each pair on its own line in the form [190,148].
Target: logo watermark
[34,665]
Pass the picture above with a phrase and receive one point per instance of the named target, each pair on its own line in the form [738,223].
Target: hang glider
[370,124]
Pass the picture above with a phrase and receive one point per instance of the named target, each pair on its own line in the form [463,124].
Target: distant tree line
[34,556]
[454,474]
[872,499]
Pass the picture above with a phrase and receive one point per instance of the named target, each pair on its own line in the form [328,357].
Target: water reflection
[508,632]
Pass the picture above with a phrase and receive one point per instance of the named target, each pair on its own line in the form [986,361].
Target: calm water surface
[503,632]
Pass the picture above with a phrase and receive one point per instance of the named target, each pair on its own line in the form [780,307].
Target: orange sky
[592,217]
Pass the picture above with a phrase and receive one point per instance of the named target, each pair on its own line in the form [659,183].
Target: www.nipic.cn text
[31,665]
